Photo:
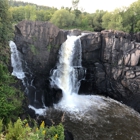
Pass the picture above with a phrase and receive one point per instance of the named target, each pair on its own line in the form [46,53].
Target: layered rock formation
[113,66]
[110,57]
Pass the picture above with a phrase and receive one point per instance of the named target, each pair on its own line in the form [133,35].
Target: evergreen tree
[5,23]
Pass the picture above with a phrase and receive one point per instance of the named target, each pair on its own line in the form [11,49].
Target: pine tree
[5,23]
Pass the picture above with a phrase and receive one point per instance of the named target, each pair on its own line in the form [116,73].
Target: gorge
[107,65]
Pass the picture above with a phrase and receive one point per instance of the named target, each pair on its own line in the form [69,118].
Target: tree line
[125,18]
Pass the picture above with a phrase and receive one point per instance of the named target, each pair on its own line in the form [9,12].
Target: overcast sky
[88,5]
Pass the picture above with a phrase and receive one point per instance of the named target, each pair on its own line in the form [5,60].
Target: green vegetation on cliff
[10,97]
[125,19]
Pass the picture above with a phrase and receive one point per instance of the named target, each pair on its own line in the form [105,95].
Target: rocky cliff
[39,43]
[113,66]
[110,57]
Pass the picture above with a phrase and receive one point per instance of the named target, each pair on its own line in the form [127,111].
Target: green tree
[106,20]
[62,18]
[5,23]
[30,12]
[77,21]
[10,97]
[43,15]
[132,17]
[113,20]
[97,20]
[128,20]
[17,13]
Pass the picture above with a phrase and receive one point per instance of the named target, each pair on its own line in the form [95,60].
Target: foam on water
[80,103]
[39,111]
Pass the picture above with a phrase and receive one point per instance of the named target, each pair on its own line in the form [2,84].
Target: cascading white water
[65,76]
[18,72]
[16,61]
[68,75]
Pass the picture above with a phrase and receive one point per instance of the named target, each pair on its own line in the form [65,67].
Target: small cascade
[24,74]
[16,61]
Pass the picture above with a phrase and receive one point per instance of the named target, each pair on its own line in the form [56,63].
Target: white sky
[88,5]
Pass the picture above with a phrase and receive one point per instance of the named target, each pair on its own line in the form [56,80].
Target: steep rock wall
[113,66]
[111,59]
[39,43]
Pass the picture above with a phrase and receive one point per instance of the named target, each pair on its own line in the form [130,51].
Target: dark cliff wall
[110,57]
[39,43]
[113,66]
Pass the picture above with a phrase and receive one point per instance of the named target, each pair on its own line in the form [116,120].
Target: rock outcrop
[39,43]
[110,57]
[113,66]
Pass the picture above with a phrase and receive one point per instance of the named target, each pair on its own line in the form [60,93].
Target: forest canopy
[124,18]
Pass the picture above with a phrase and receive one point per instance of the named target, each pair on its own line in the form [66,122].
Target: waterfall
[87,117]
[69,71]
[30,89]
[16,61]
[67,76]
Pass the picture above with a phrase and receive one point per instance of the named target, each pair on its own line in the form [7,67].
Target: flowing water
[87,117]
[16,62]
[22,72]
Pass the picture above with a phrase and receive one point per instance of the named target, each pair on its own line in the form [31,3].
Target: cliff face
[110,57]
[39,44]
[113,66]
[120,55]
[37,41]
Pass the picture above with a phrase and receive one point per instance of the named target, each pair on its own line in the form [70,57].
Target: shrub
[20,130]
[10,97]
